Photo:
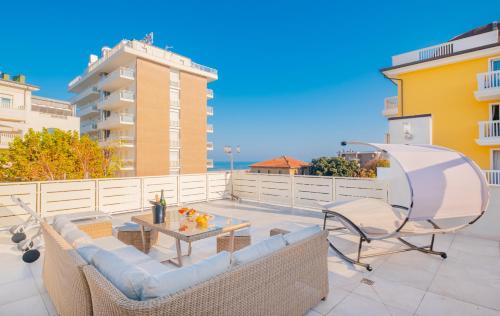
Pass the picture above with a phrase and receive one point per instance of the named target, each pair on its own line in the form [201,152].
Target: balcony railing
[488,80]
[210,128]
[493,176]
[210,93]
[86,109]
[174,123]
[210,146]
[446,49]
[92,90]
[175,84]
[127,164]
[127,72]
[174,164]
[88,126]
[489,133]
[175,143]
[175,103]
[210,110]
[120,141]
[7,138]
[390,106]
[210,163]
[11,106]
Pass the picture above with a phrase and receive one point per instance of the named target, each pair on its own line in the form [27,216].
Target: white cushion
[109,243]
[259,250]
[87,251]
[130,254]
[77,238]
[59,222]
[67,228]
[302,234]
[126,277]
[171,282]
[154,267]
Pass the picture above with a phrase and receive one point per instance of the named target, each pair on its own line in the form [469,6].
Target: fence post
[292,188]
[178,189]
[334,190]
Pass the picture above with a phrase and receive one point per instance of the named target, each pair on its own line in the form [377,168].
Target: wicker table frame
[146,220]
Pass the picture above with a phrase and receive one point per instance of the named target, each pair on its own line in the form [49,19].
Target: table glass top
[190,225]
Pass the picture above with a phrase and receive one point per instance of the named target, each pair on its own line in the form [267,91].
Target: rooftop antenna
[148,39]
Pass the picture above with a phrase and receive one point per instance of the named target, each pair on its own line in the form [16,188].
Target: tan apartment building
[20,110]
[151,104]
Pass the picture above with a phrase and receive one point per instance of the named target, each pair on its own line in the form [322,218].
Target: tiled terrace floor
[467,283]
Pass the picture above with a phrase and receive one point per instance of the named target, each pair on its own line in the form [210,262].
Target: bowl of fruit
[202,220]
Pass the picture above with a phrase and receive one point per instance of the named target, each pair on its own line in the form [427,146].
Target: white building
[20,110]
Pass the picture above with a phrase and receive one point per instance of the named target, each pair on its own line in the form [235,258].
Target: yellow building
[449,95]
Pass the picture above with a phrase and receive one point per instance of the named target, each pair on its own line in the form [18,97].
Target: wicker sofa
[288,282]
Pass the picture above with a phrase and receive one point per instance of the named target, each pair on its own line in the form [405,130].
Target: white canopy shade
[444,183]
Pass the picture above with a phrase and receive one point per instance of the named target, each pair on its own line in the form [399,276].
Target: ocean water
[226,165]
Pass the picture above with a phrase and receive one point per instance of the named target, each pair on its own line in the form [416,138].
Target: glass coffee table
[184,228]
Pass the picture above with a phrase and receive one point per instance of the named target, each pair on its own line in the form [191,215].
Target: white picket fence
[133,194]
[118,195]
[304,191]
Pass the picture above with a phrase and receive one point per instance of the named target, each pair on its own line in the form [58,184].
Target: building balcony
[175,144]
[116,100]
[210,94]
[85,110]
[488,86]
[210,128]
[117,120]
[175,104]
[210,163]
[87,95]
[88,126]
[390,106]
[120,78]
[7,138]
[489,133]
[175,124]
[210,146]
[210,111]
[175,84]
[446,49]
[175,164]
[12,113]
[118,141]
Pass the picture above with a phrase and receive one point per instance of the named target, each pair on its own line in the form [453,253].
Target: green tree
[58,155]
[335,166]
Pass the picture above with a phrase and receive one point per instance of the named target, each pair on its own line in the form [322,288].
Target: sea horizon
[226,165]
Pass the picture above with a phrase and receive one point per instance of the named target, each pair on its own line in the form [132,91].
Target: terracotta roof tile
[281,162]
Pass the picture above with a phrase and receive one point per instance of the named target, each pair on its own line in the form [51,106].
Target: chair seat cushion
[109,243]
[173,281]
[259,250]
[130,254]
[126,277]
[154,267]
[296,236]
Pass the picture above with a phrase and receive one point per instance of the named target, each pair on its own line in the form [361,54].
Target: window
[495,112]
[174,75]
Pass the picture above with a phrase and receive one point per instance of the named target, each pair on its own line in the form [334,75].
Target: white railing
[116,195]
[210,146]
[210,110]
[174,164]
[488,80]
[88,126]
[175,143]
[210,93]
[390,106]
[127,164]
[446,49]
[86,109]
[127,95]
[175,103]
[210,128]
[122,141]
[210,163]
[175,84]
[493,176]
[84,93]
[127,118]
[175,123]
[7,138]
[127,72]
[11,106]
[489,129]
[203,68]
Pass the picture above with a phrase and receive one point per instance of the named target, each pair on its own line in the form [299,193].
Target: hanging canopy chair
[431,190]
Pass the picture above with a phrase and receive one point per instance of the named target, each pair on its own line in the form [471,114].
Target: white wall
[37,121]
[420,129]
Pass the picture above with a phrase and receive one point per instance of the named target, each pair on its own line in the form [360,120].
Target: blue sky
[295,77]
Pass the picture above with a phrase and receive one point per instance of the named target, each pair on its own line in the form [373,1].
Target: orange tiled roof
[281,162]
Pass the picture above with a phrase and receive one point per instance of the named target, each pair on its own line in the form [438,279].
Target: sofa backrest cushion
[173,281]
[77,238]
[127,277]
[87,252]
[259,250]
[59,222]
[296,236]
[68,227]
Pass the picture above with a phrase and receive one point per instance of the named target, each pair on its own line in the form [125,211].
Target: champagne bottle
[162,199]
